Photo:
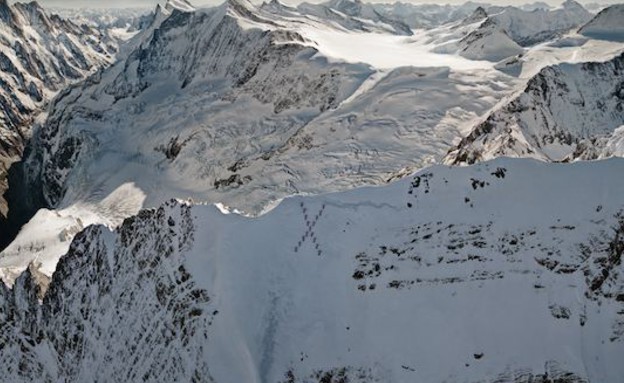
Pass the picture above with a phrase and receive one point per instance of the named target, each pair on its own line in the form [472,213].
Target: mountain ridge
[41,53]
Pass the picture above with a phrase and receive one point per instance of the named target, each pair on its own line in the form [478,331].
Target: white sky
[150,3]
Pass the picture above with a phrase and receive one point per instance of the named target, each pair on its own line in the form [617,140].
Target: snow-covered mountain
[507,271]
[259,105]
[231,56]
[503,34]
[40,54]
[115,19]
[607,24]
[529,28]
[353,15]
[427,15]
[179,5]
[246,105]
[488,42]
[566,111]
[535,6]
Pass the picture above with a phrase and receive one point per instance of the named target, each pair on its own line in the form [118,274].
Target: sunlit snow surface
[455,274]
[402,107]
[50,232]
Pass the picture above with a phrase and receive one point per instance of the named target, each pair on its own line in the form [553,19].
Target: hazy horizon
[152,3]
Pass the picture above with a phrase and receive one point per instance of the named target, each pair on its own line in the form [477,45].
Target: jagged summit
[356,15]
[33,13]
[535,6]
[40,54]
[168,296]
[351,7]
[278,8]
[179,5]
[479,14]
[6,13]
[275,5]
[245,10]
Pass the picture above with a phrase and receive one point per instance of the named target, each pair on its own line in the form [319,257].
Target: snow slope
[608,24]
[262,103]
[504,32]
[259,106]
[353,15]
[507,271]
[563,109]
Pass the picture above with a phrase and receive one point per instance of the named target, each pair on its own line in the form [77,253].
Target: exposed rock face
[488,42]
[566,112]
[367,286]
[40,54]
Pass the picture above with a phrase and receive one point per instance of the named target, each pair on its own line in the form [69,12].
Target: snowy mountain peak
[606,25]
[248,12]
[468,261]
[179,5]
[346,5]
[40,53]
[34,14]
[6,13]
[479,14]
[237,4]
[535,6]
[566,111]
